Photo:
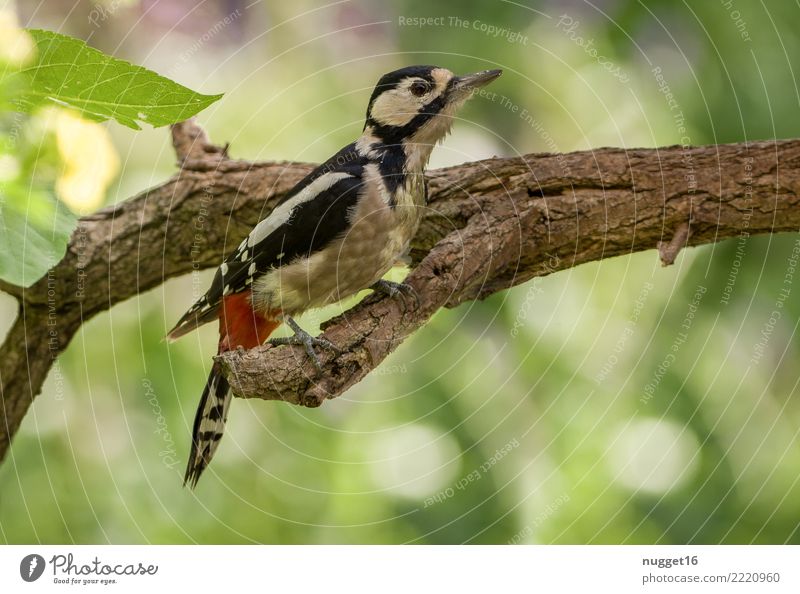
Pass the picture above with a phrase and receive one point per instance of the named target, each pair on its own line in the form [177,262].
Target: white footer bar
[390,569]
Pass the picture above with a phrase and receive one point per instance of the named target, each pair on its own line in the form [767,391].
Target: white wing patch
[281,214]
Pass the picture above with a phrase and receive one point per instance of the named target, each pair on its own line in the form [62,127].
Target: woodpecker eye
[419,88]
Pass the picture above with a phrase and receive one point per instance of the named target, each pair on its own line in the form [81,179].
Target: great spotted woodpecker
[339,231]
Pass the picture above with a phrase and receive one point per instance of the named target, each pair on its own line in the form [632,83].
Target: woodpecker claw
[308,342]
[393,290]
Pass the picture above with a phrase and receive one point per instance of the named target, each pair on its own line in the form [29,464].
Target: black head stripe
[395,134]
[392,168]
[390,81]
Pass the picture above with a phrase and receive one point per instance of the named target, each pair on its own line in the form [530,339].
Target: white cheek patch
[394,108]
[399,106]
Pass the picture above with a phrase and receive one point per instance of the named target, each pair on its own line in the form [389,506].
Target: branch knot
[193,147]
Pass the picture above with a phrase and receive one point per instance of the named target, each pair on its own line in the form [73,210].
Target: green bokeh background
[518,419]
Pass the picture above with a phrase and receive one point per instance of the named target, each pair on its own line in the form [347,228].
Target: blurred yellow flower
[89,160]
[9,168]
[16,46]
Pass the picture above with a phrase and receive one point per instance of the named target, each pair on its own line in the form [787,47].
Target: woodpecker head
[415,106]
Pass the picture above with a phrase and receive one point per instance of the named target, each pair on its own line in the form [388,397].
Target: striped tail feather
[209,424]
[239,326]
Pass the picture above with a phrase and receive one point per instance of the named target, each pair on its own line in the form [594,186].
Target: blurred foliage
[617,402]
[55,152]
[34,227]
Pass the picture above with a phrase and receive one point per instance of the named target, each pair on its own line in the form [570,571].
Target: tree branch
[490,225]
[505,221]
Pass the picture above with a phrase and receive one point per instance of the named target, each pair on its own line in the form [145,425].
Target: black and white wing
[315,214]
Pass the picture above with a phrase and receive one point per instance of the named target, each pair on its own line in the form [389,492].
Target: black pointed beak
[470,82]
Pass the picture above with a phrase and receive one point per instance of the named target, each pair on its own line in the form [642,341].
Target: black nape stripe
[390,80]
[392,167]
[396,134]
[391,135]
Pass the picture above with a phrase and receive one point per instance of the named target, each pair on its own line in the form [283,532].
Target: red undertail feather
[239,325]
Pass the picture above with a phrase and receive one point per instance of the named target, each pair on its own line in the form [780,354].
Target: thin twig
[669,251]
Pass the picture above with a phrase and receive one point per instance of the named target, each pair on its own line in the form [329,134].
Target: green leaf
[31,243]
[66,71]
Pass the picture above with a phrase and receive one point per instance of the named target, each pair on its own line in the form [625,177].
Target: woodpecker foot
[393,290]
[308,342]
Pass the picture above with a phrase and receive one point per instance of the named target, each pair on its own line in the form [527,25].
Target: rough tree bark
[490,225]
